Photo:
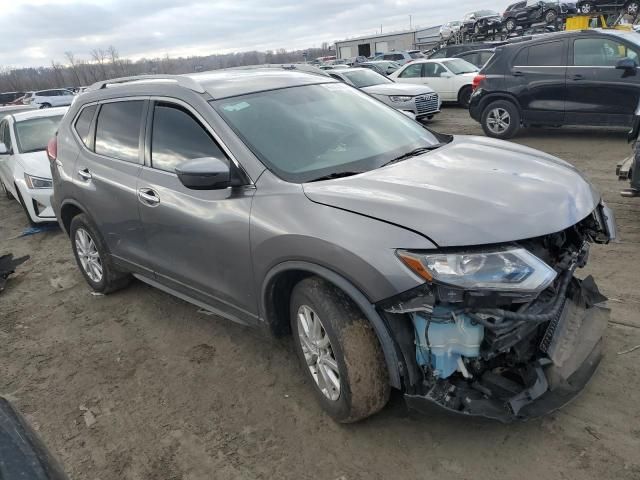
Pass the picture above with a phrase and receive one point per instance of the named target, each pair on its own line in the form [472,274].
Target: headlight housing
[400,98]
[509,269]
[37,182]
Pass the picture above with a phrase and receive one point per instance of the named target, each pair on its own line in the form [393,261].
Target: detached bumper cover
[569,354]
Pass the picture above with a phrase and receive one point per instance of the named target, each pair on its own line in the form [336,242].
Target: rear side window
[178,137]
[600,52]
[546,55]
[118,130]
[83,123]
[412,71]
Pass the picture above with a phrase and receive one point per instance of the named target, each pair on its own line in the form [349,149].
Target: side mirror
[446,75]
[626,64]
[3,149]
[207,173]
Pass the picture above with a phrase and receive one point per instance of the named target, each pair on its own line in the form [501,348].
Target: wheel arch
[68,210]
[492,97]
[276,293]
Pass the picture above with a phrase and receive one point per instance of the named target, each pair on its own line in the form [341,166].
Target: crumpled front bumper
[569,354]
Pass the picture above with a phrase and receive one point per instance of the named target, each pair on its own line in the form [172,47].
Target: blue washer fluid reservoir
[442,345]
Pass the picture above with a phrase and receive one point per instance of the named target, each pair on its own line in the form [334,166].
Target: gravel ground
[139,385]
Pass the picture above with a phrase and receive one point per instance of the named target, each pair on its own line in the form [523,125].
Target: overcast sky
[34,32]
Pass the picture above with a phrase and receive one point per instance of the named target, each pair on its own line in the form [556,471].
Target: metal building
[373,44]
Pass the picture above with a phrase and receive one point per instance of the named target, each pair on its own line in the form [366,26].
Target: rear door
[106,173]
[538,79]
[198,239]
[600,94]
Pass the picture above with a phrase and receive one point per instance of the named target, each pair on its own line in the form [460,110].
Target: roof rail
[181,80]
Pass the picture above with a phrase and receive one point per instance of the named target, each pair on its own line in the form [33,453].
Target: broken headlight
[514,269]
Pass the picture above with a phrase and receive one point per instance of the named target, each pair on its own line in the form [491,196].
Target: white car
[451,78]
[59,97]
[450,30]
[421,101]
[25,174]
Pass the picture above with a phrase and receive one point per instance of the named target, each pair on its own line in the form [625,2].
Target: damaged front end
[509,332]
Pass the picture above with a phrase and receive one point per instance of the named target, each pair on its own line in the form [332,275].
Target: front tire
[633,8]
[93,259]
[511,25]
[501,119]
[550,17]
[464,96]
[339,351]
[5,191]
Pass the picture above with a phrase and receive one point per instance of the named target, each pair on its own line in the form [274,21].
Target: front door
[598,93]
[538,78]
[106,173]
[198,239]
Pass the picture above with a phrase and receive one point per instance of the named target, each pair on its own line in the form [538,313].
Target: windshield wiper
[414,153]
[333,176]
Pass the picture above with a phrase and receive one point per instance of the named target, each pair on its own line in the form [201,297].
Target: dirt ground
[139,385]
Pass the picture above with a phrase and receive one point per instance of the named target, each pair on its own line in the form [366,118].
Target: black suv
[565,78]
[630,7]
[525,14]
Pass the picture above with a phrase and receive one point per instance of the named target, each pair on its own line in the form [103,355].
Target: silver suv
[395,256]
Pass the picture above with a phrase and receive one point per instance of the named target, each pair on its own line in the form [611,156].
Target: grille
[427,103]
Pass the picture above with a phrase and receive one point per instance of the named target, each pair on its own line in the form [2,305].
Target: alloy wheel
[88,255]
[586,8]
[498,120]
[318,352]
[511,25]
[633,8]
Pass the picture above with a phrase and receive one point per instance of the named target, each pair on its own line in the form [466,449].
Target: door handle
[85,174]
[148,197]
[577,77]
[518,73]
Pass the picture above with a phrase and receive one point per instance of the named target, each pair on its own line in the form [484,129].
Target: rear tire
[587,7]
[357,382]
[511,25]
[632,8]
[93,259]
[501,119]
[464,96]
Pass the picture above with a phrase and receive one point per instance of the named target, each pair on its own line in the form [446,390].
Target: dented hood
[473,191]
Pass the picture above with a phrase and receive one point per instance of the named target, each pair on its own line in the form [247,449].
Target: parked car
[629,169]
[401,58]
[8,98]
[420,100]
[340,221]
[451,51]
[383,67]
[585,77]
[630,7]
[449,30]
[51,98]
[479,58]
[525,14]
[10,109]
[481,23]
[24,169]
[451,78]
[336,66]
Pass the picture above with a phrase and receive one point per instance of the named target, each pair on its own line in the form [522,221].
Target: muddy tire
[93,259]
[343,359]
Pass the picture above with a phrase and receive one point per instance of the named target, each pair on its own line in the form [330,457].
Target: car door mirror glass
[207,173]
[626,64]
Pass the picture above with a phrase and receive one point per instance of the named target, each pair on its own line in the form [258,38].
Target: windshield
[33,135]
[365,78]
[459,66]
[304,133]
